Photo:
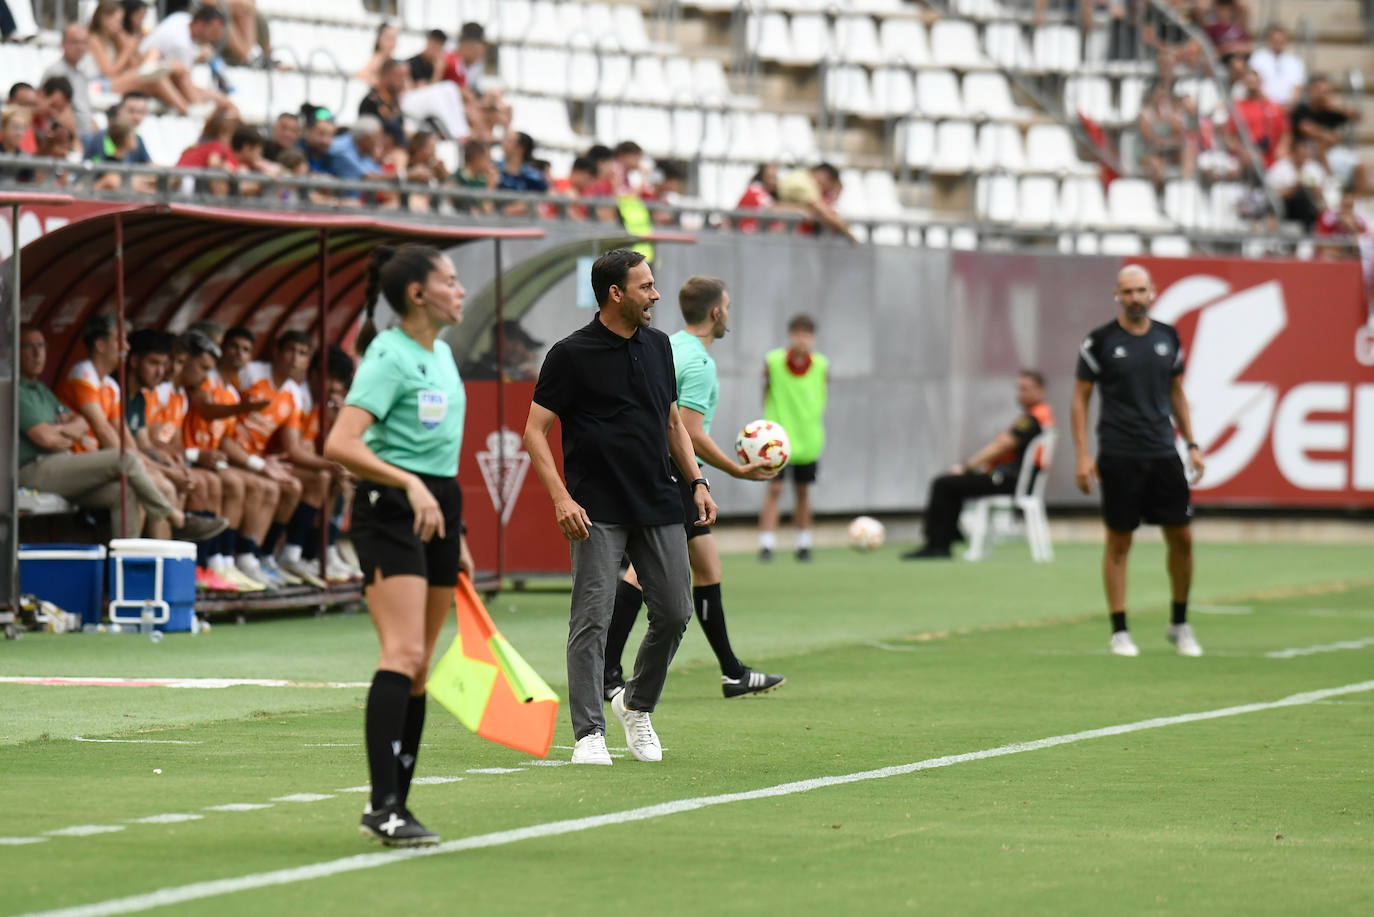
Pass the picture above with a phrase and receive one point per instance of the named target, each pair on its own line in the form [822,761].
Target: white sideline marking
[168,818]
[493,770]
[239,807]
[1223,609]
[1320,648]
[303,797]
[98,682]
[365,788]
[430,781]
[330,745]
[890,647]
[136,741]
[20,841]
[84,830]
[197,891]
[1339,613]
[544,763]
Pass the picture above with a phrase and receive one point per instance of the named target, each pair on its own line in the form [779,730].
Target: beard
[1137,310]
[633,314]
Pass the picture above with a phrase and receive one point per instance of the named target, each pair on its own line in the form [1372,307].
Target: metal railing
[495,208]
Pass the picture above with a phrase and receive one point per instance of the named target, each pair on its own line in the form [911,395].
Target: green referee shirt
[418,400]
[698,385]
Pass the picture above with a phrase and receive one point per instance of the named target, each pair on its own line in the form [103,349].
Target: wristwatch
[1193,446]
[703,482]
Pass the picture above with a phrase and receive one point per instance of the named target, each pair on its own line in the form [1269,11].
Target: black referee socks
[410,743]
[383,727]
[1118,621]
[628,598]
[1179,613]
[711,613]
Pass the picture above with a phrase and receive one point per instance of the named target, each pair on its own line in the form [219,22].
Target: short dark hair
[472,31]
[238,331]
[438,35]
[197,343]
[290,159]
[391,63]
[134,94]
[583,164]
[801,322]
[18,88]
[208,14]
[244,136]
[119,132]
[289,114]
[828,171]
[150,340]
[611,269]
[600,152]
[475,148]
[57,84]
[698,296]
[670,170]
[1034,375]
[628,148]
[294,336]
[96,329]
[338,365]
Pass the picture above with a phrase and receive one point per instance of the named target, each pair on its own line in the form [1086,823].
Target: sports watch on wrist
[703,482]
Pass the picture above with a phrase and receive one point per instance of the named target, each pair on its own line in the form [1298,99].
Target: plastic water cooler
[153,575]
[68,575]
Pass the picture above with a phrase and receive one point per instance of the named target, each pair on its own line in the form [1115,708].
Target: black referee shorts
[689,510]
[800,474]
[383,529]
[1153,490]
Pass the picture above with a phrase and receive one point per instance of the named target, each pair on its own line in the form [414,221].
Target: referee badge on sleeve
[432,407]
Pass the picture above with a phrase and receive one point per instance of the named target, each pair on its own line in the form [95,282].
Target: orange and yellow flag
[483,681]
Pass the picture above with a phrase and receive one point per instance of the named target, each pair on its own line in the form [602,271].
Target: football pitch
[952,738]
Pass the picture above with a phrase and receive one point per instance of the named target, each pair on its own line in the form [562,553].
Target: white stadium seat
[1082,202]
[916,141]
[884,200]
[999,149]
[894,93]
[614,81]
[629,31]
[1122,244]
[1058,48]
[989,95]
[1132,202]
[1186,205]
[856,40]
[938,95]
[847,89]
[954,43]
[797,138]
[769,37]
[811,40]
[1006,45]
[1037,202]
[904,42]
[953,148]
[853,201]
[1091,96]
[1170,247]
[648,82]
[1050,148]
[995,198]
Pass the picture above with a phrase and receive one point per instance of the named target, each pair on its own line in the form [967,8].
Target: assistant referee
[400,431]
[1138,363]
[612,385]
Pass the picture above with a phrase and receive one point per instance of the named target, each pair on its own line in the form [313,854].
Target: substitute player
[796,386]
[400,432]
[705,307]
[1138,363]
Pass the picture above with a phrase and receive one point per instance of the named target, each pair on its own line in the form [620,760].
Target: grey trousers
[659,555]
[91,479]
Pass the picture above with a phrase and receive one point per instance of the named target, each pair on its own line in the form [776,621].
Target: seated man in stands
[310,475]
[183,40]
[133,108]
[1321,119]
[993,469]
[384,101]
[48,462]
[251,494]
[1265,121]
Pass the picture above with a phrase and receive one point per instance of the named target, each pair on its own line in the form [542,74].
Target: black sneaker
[804,555]
[927,553]
[749,682]
[765,555]
[394,826]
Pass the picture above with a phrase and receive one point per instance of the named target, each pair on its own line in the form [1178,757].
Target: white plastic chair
[904,42]
[1029,497]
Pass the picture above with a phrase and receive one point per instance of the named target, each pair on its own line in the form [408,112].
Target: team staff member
[611,383]
[1139,365]
[796,386]
[705,305]
[993,469]
[400,432]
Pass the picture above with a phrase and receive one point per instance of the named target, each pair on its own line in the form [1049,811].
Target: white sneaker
[1123,645]
[302,568]
[639,732]
[1181,636]
[269,564]
[335,558]
[591,750]
[248,565]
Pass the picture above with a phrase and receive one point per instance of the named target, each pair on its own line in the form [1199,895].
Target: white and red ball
[763,440]
[866,534]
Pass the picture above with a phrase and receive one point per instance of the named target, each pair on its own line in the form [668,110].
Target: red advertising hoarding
[1280,377]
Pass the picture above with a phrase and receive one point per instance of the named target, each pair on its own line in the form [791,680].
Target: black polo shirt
[612,396]
[1135,373]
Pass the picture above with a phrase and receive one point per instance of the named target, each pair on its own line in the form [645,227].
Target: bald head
[1135,291]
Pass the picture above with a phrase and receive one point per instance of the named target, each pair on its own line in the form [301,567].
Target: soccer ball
[763,440]
[866,534]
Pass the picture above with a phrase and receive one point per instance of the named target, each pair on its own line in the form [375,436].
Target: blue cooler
[153,574]
[68,575]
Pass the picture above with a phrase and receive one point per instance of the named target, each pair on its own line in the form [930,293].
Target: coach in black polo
[611,383]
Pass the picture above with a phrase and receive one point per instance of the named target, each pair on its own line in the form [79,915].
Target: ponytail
[390,271]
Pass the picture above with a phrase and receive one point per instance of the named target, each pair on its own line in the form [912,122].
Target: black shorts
[801,474]
[1153,490]
[689,510]
[383,530]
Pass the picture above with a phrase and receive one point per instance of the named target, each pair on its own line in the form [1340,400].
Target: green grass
[887,663]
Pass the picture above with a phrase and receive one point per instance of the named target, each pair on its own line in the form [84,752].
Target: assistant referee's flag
[483,681]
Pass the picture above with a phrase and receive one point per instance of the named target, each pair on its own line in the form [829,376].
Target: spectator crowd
[216,448]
